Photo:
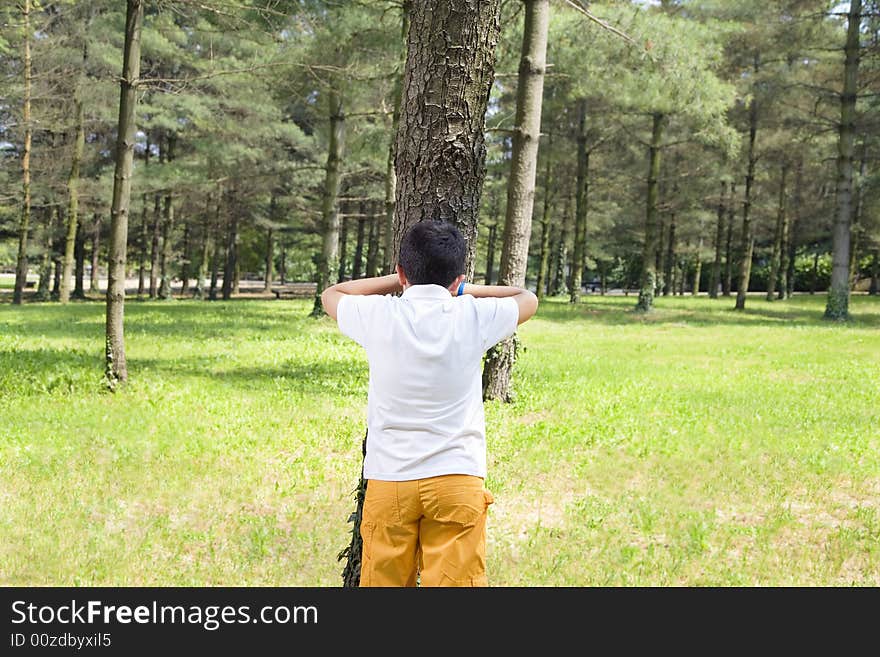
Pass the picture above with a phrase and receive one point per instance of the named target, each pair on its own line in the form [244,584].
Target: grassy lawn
[694,446]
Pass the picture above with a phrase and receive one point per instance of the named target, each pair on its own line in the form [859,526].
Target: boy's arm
[526,300]
[330,297]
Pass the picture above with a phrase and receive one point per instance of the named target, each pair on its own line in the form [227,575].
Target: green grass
[692,446]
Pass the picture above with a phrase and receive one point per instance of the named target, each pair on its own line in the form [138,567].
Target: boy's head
[432,252]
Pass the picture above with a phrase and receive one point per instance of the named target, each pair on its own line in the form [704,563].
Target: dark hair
[432,252]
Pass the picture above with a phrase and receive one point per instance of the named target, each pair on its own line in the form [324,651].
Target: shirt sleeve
[354,315]
[498,319]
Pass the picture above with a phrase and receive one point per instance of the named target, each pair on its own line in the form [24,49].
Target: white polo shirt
[425,403]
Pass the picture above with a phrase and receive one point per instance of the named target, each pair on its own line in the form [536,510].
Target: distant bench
[295,290]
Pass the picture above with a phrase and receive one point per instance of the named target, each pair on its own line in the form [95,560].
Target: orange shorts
[433,529]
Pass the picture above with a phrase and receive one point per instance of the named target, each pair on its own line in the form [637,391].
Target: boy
[425,507]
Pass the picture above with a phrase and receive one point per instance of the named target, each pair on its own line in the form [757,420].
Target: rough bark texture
[778,241]
[715,278]
[389,264]
[116,371]
[328,261]
[837,306]
[649,260]
[580,206]
[21,266]
[747,242]
[440,151]
[727,283]
[79,141]
[500,359]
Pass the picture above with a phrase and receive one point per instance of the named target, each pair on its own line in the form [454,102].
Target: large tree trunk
[857,228]
[440,150]
[21,267]
[776,259]
[357,267]
[116,370]
[727,283]
[46,266]
[328,262]
[96,251]
[390,172]
[544,258]
[167,230]
[521,188]
[748,241]
[719,235]
[154,246]
[79,263]
[649,266]
[73,199]
[837,306]
[580,206]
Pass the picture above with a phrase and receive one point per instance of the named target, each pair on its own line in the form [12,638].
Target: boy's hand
[525,299]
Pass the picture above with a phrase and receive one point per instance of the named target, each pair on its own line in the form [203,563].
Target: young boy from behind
[425,508]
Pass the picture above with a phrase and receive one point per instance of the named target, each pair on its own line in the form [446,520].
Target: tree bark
[747,243]
[440,151]
[698,267]
[357,267]
[73,199]
[776,259]
[207,255]
[715,278]
[21,267]
[328,262]
[96,251]
[154,246]
[116,371]
[231,251]
[837,306]
[649,267]
[215,252]
[343,247]
[791,244]
[167,230]
[46,266]
[500,359]
[79,263]
[389,263]
[669,273]
[857,228]
[727,285]
[580,205]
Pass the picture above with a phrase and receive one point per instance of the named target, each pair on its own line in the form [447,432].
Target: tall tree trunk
[814,279]
[154,246]
[715,277]
[373,246]
[167,230]
[328,262]
[500,359]
[116,371]
[79,262]
[649,267]
[698,267]
[356,269]
[343,247]
[747,243]
[776,259]
[440,150]
[187,259]
[390,172]
[21,267]
[791,248]
[857,228]
[231,251]
[554,271]
[544,258]
[207,252]
[270,260]
[215,255]
[874,290]
[837,306]
[669,273]
[96,252]
[282,265]
[46,266]
[727,285]
[490,253]
[142,251]
[580,205]
[73,198]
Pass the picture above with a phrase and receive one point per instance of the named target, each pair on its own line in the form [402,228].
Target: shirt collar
[428,291]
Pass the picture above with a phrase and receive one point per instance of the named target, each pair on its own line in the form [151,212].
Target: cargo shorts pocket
[367,529]
[463,507]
